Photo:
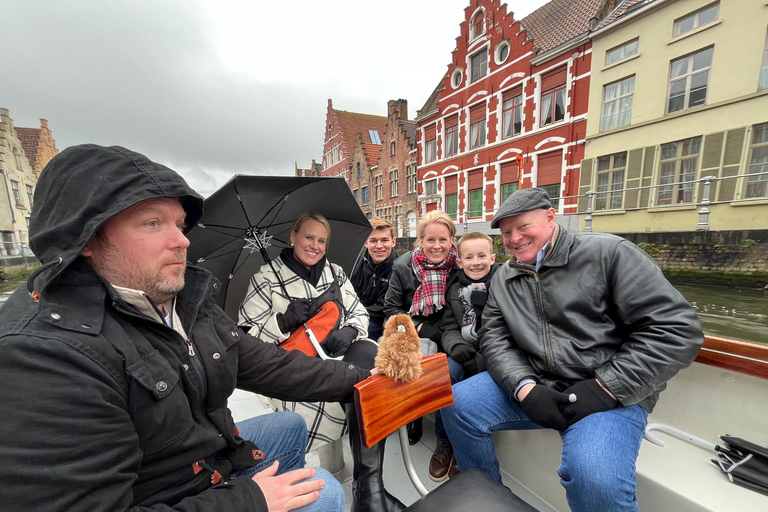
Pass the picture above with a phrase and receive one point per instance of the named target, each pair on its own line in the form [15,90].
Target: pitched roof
[29,138]
[373,151]
[621,9]
[559,21]
[433,102]
[352,123]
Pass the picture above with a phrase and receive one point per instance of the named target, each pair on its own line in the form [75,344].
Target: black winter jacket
[103,407]
[599,307]
[371,282]
[402,285]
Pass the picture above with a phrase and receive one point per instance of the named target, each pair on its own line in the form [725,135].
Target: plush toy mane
[399,353]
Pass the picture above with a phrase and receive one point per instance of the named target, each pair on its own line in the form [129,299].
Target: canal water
[736,313]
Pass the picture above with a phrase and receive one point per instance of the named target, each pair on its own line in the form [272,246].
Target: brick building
[19,179]
[394,176]
[341,130]
[38,144]
[315,169]
[363,159]
[510,112]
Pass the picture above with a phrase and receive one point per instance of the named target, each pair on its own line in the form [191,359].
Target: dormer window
[477,27]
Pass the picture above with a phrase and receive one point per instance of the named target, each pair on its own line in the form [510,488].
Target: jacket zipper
[544,324]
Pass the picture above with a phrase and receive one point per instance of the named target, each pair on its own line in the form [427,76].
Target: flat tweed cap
[521,201]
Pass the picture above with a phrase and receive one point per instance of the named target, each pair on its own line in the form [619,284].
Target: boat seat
[385,405]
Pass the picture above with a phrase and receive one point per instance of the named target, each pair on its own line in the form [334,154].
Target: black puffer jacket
[371,282]
[599,307]
[402,285]
[103,407]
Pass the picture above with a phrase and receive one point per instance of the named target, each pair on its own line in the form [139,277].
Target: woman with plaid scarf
[419,282]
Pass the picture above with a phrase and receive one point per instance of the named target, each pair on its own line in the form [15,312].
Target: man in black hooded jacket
[116,366]
[370,277]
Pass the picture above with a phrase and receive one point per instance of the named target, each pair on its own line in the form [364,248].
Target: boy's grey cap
[521,201]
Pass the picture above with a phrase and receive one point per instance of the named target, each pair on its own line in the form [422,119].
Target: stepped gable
[29,139]
[409,127]
[559,21]
[352,123]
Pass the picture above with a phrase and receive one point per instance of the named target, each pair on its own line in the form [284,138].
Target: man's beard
[120,271]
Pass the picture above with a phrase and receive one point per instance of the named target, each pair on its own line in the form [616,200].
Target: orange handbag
[326,319]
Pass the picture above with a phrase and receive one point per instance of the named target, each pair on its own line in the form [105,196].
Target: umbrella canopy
[249,219]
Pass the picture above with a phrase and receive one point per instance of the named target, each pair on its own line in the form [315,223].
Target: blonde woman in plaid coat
[277,304]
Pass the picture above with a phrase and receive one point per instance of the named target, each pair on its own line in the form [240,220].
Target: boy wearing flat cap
[580,334]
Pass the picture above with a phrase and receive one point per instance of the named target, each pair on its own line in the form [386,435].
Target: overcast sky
[220,87]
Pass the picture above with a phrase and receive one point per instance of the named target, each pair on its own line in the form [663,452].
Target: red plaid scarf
[430,295]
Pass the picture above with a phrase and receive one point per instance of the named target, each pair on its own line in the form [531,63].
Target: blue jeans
[282,436]
[457,374]
[597,466]
[375,330]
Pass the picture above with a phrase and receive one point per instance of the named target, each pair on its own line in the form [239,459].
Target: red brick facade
[341,129]
[528,95]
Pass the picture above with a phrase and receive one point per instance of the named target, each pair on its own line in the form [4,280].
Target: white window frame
[477,134]
[622,51]
[393,183]
[677,173]
[452,140]
[379,187]
[763,81]
[617,111]
[695,19]
[411,176]
[430,151]
[688,76]
[757,184]
[482,65]
[553,92]
[472,34]
[610,194]
[508,122]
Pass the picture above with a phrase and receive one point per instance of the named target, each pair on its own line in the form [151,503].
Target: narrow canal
[736,313]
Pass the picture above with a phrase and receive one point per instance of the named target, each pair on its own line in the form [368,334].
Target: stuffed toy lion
[399,354]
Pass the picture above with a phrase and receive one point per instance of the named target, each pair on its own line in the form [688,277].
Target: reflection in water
[736,313]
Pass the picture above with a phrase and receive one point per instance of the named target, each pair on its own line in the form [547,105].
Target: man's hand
[283,493]
[462,353]
[296,314]
[591,397]
[543,406]
[337,343]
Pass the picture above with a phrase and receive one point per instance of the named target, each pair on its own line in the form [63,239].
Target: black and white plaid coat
[265,299]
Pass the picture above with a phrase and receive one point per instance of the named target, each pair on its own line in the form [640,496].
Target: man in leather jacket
[580,334]
[116,365]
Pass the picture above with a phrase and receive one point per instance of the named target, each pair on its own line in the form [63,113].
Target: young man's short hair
[380,222]
[474,236]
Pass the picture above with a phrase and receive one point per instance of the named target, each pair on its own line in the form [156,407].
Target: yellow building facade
[678,93]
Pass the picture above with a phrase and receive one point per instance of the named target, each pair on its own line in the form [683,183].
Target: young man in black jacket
[370,277]
[116,365]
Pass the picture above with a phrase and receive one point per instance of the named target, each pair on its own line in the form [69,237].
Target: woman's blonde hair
[314,216]
[434,217]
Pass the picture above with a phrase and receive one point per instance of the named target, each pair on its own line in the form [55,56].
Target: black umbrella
[248,222]
[745,463]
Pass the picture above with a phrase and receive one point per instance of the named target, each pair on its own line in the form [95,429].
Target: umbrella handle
[680,434]
[317,346]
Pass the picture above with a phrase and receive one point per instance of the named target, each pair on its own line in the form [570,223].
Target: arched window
[477,27]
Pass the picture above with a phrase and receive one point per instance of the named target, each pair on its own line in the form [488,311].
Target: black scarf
[473,295]
[311,274]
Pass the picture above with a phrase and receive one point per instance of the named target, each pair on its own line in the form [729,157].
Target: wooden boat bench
[384,405]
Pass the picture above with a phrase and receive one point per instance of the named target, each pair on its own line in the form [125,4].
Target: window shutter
[508,95]
[549,168]
[553,79]
[509,173]
[452,121]
[475,180]
[477,113]
[429,132]
[585,183]
[451,185]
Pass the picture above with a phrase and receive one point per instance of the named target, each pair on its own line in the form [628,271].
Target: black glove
[337,343]
[428,330]
[465,355]
[296,314]
[590,397]
[462,353]
[542,405]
